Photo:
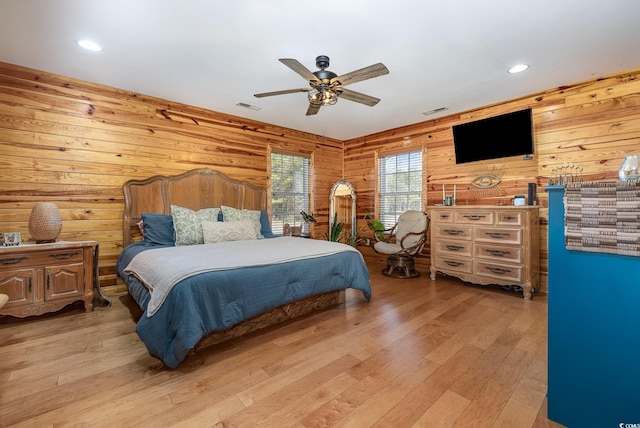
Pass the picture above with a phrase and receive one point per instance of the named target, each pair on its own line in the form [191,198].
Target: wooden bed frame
[196,189]
[206,188]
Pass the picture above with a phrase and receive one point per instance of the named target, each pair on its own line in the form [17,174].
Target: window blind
[289,190]
[399,185]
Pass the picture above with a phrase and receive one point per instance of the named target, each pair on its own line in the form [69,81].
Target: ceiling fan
[326,86]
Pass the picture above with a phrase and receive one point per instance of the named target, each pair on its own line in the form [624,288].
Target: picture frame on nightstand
[12,239]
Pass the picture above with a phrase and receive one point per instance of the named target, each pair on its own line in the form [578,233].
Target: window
[289,190]
[399,185]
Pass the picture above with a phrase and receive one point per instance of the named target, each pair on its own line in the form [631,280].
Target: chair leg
[404,265]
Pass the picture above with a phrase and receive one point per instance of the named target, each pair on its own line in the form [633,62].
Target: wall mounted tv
[509,134]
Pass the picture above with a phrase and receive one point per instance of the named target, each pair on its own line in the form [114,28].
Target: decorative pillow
[158,229]
[265,225]
[234,214]
[227,231]
[188,223]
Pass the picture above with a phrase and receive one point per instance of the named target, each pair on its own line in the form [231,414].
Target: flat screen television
[509,134]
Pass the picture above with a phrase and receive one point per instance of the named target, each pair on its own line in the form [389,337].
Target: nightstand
[40,278]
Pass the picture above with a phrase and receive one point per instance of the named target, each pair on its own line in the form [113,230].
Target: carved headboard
[196,189]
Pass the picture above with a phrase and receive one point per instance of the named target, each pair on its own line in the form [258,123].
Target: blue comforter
[217,300]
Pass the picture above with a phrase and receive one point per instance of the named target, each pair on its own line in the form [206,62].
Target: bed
[234,278]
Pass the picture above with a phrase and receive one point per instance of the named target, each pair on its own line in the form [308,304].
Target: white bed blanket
[160,269]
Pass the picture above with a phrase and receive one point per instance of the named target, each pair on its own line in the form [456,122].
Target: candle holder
[447,199]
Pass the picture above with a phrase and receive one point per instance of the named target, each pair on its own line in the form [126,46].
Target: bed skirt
[275,316]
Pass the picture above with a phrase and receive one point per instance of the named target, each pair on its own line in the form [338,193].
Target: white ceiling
[216,54]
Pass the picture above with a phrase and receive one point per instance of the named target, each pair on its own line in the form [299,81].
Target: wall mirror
[342,201]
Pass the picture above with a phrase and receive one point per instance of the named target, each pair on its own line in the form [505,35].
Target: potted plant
[355,237]
[376,226]
[335,230]
[307,218]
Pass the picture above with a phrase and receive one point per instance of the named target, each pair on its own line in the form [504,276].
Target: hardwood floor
[422,353]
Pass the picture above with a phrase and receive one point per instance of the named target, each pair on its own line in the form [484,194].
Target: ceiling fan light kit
[322,97]
[326,86]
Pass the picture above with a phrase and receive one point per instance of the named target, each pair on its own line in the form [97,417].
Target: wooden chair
[403,242]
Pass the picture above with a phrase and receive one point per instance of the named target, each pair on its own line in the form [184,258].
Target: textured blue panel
[594,332]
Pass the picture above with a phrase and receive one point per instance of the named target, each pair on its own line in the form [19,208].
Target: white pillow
[188,223]
[234,214]
[218,231]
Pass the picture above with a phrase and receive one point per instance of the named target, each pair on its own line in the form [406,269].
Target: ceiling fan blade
[313,109]
[303,71]
[357,97]
[370,72]
[286,91]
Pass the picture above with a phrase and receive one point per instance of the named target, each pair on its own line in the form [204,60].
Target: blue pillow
[265,225]
[158,229]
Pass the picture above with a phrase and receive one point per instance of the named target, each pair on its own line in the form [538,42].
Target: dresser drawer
[497,253]
[454,248]
[510,218]
[453,231]
[474,217]
[454,264]
[501,271]
[40,258]
[442,216]
[498,235]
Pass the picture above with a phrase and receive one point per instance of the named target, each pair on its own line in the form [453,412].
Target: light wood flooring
[422,353]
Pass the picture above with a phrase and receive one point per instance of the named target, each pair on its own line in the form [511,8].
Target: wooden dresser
[486,244]
[41,278]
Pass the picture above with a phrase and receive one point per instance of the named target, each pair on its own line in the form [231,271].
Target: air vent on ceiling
[249,106]
[435,110]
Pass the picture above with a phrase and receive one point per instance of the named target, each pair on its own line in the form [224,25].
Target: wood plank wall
[591,124]
[76,143]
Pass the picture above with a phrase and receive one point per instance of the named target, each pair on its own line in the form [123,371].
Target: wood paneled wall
[591,124]
[76,143]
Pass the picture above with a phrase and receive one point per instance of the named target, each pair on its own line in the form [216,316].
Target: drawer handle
[455,247]
[63,256]
[510,217]
[444,215]
[450,263]
[474,217]
[498,235]
[12,260]
[498,253]
[498,271]
[454,231]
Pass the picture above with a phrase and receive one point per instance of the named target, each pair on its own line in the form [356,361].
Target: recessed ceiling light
[90,46]
[518,68]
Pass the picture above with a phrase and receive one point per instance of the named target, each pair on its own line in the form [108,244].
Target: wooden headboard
[196,189]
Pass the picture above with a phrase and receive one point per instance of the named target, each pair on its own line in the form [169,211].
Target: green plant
[308,217]
[376,226]
[335,230]
[354,238]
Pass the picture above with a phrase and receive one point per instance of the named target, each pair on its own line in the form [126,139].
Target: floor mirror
[342,201]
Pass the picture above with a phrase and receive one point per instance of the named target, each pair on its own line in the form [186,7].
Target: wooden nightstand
[40,278]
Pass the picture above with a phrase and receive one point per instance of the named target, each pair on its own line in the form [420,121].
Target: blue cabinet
[594,332]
